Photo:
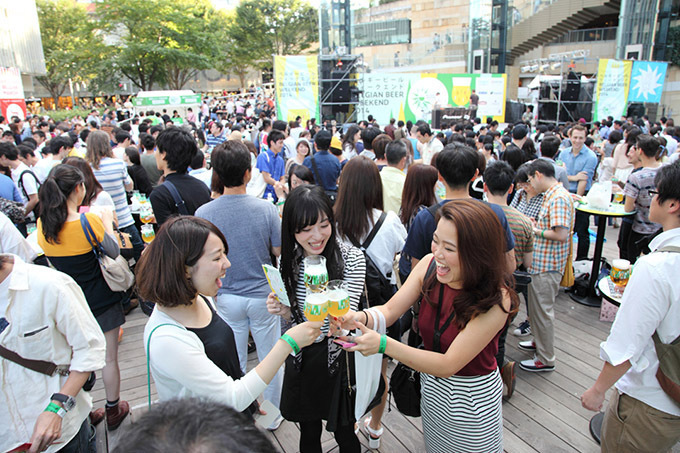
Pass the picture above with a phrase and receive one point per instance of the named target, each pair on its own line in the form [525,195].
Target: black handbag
[405,384]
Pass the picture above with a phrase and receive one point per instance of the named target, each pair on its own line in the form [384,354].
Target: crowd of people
[453,227]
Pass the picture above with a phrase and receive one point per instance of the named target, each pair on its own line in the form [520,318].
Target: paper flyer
[276,283]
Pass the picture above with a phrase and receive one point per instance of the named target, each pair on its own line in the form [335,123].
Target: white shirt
[181,368]
[386,244]
[202,174]
[12,242]
[28,181]
[671,144]
[427,150]
[43,167]
[651,302]
[48,320]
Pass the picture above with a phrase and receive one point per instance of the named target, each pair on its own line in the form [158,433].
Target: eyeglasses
[653,192]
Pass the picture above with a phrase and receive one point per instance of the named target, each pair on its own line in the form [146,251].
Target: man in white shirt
[393,176]
[428,145]
[641,416]
[123,140]
[56,150]
[44,316]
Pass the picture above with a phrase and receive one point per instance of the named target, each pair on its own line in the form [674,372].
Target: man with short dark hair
[428,144]
[164,429]
[641,416]
[549,148]
[271,163]
[551,247]
[215,137]
[23,177]
[180,193]
[367,136]
[254,235]
[393,176]
[324,166]
[148,158]
[123,139]
[198,169]
[458,167]
[389,129]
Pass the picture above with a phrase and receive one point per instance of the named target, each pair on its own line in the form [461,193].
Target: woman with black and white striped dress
[317,383]
[465,300]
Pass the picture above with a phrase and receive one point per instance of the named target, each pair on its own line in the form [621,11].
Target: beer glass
[338,298]
[618,197]
[316,306]
[315,274]
[620,272]
[148,234]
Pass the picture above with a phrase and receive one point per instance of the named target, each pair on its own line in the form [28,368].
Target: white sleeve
[354,275]
[11,241]
[29,184]
[182,361]
[643,306]
[103,199]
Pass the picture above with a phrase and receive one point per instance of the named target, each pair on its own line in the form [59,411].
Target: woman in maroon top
[465,298]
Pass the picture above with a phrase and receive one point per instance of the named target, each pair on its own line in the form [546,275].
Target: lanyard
[436,340]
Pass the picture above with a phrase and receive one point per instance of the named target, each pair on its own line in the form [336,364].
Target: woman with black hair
[62,238]
[140,180]
[349,142]
[317,383]
[358,210]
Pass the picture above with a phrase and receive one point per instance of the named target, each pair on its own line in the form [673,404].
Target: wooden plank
[526,428]
[288,436]
[513,444]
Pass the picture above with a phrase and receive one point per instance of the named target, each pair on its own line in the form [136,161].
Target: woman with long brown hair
[463,291]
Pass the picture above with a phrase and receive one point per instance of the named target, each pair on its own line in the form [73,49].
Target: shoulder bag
[116,271]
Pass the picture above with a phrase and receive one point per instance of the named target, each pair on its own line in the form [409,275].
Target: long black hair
[302,209]
[60,183]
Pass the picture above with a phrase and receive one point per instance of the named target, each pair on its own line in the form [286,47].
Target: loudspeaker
[341,92]
[573,88]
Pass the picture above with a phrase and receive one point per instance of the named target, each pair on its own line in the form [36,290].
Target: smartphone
[271,414]
[344,344]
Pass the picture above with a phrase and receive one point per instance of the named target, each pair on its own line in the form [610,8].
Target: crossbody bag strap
[90,236]
[438,331]
[39,366]
[416,305]
[177,198]
[148,366]
[316,172]
[374,231]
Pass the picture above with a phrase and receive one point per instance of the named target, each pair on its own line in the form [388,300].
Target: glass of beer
[618,197]
[620,274]
[146,213]
[148,234]
[338,298]
[316,274]
[316,306]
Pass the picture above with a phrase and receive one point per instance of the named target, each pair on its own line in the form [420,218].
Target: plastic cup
[148,233]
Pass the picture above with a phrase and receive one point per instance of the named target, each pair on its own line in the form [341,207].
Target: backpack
[12,209]
[377,287]
[668,373]
[36,209]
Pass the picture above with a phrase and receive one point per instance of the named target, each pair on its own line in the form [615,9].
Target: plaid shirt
[557,211]
[528,207]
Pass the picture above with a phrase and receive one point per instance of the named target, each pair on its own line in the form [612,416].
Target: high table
[613,210]
[605,287]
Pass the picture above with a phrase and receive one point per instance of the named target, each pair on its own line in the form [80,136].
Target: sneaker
[373,435]
[528,345]
[275,424]
[534,365]
[116,414]
[523,329]
[509,378]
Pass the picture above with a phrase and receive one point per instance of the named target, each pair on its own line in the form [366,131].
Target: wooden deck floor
[543,415]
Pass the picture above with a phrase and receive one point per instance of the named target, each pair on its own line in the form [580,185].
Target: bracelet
[383,344]
[288,339]
[366,314]
[543,234]
[55,408]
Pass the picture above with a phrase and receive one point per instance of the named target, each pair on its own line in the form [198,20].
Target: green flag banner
[296,82]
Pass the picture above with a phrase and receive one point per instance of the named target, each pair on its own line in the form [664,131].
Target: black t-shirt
[220,347]
[193,191]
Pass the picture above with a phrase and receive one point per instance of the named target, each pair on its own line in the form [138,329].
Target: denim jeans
[83,442]
[249,314]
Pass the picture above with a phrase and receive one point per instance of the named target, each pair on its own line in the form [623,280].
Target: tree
[71,45]
[157,41]
[257,29]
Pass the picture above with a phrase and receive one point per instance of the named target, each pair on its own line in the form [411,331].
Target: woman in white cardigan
[191,349]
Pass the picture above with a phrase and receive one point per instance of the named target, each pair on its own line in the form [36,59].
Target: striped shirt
[528,207]
[354,275]
[522,229]
[557,211]
[112,175]
[213,141]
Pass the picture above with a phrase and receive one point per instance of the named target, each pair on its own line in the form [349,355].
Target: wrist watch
[67,401]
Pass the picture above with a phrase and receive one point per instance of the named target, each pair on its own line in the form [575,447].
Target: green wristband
[543,234]
[54,407]
[383,344]
[288,339]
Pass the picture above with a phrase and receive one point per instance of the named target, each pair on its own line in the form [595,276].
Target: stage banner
[647,81]
[296,83]
[12,101]
[413,96]
[613,83]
